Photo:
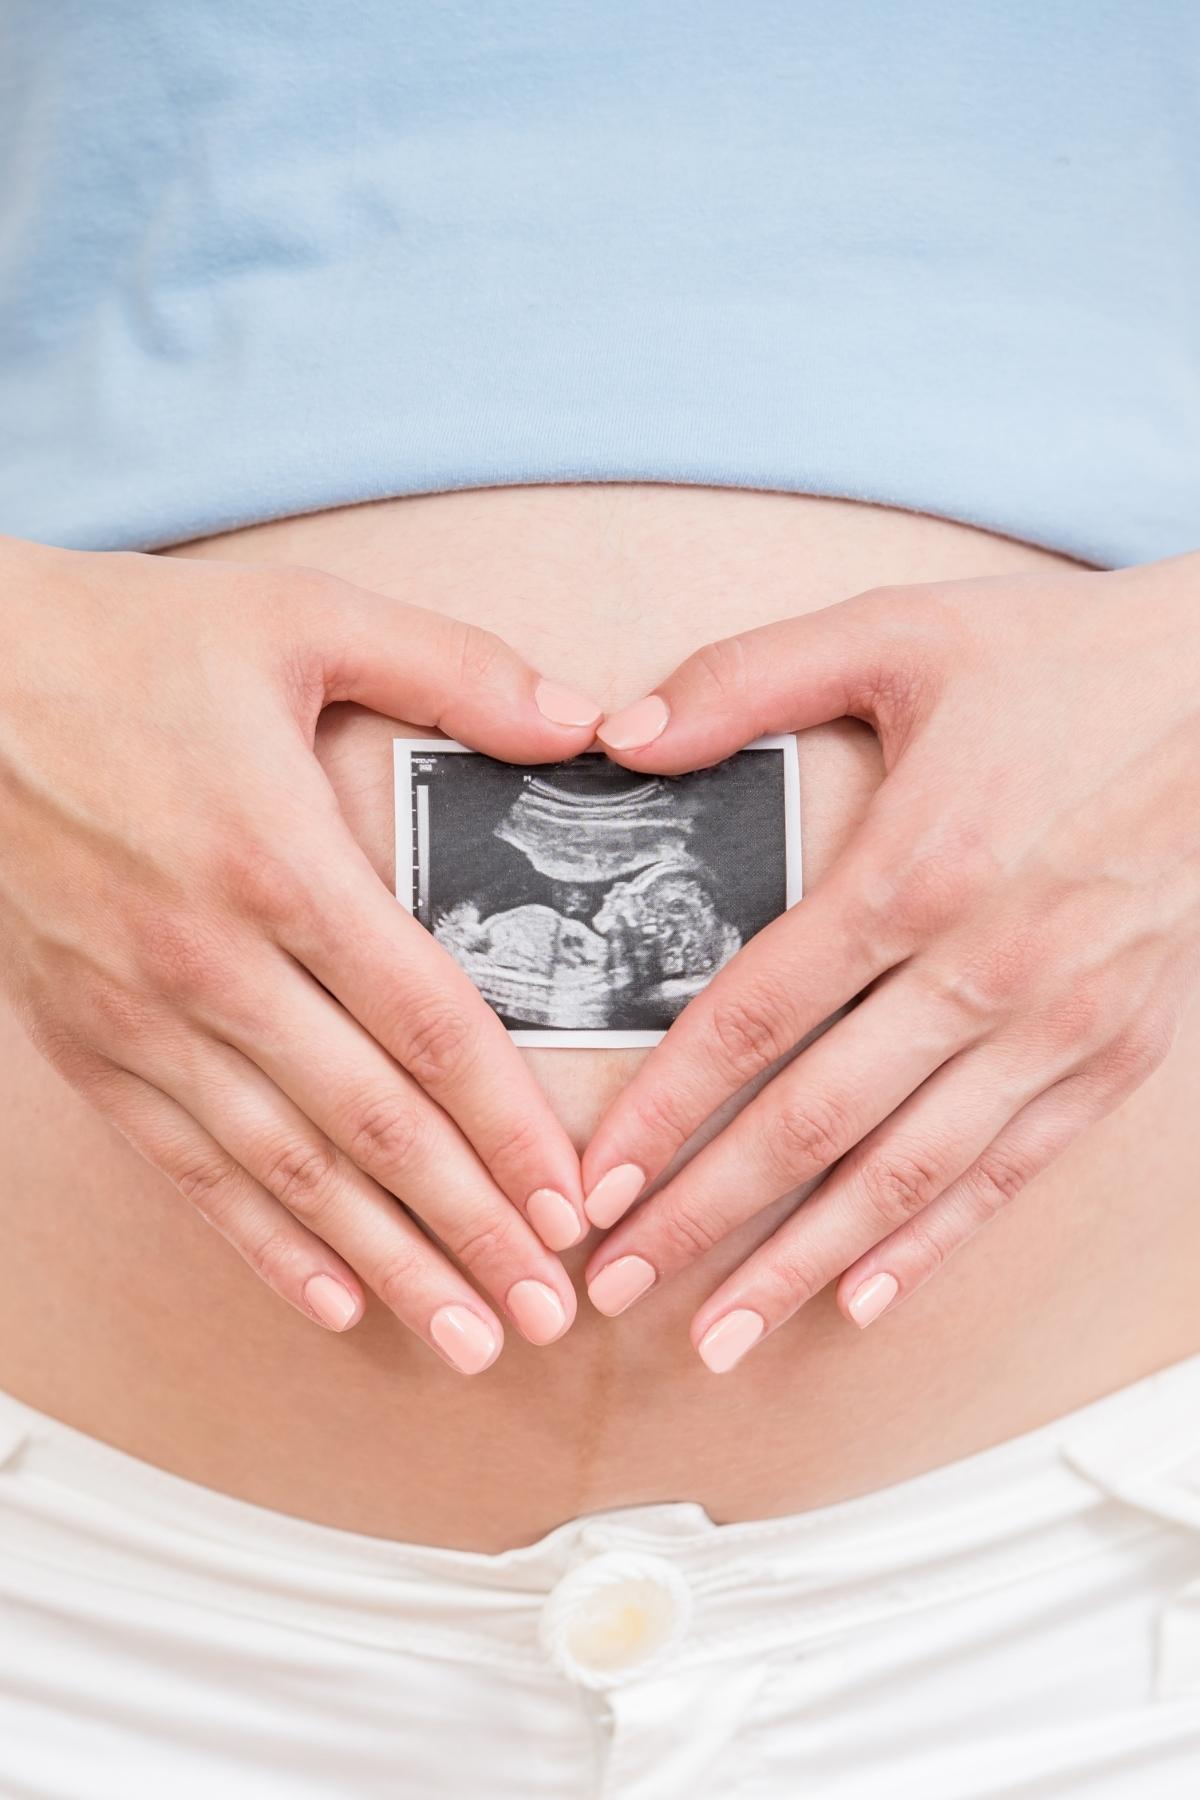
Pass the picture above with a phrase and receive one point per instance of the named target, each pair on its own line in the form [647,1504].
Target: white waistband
[1110,1471]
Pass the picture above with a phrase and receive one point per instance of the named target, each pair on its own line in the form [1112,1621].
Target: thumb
[838,662]
[419,666]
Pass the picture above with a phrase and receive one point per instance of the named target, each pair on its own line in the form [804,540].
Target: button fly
[611,1617]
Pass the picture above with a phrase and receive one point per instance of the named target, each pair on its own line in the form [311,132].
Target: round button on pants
[615,1615]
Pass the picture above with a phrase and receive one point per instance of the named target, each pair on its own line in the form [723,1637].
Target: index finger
[783,676]
[408,662]
[415,1000]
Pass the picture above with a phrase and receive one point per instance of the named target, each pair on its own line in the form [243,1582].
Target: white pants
[1022,1623]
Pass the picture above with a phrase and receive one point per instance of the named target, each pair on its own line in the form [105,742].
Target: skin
[1017,916]
[126,1315]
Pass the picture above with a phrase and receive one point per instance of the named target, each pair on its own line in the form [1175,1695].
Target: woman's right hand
[194,939]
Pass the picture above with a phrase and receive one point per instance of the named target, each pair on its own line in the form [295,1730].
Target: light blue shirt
[260,257]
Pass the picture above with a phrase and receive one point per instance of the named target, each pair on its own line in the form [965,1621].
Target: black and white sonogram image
[589,903]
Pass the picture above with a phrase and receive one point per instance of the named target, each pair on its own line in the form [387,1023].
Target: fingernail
[538,1311]
[330,1302]
[565,705]
[619,1285]
[726,1342]
[614,1194]
[635,725]
[554,1219]
[868,1301]
[463,1337]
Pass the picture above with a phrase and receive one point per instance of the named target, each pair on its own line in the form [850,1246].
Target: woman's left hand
[1021,905]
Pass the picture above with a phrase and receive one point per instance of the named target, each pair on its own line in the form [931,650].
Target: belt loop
[1177,1630]
[13,1438]
[1152,1493]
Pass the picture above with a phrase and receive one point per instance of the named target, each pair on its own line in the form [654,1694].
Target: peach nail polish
[463,1338]
[332,1303]
[619,1285]
[635,725]
[873,1297]
[554,1219]
[538,1311]
[726,1342]
[565,705]
[614,1194]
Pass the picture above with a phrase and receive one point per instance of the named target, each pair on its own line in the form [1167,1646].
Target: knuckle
[942,874]
[180,956]
[910,628]
[960,998]
[259,881]
[481,1242]
[385,1133]
[438,1044]
[689,1232]
[516,1144]
[204,1180]
[1008,968]
[662,1115]
[919,615]
[64,1049]
[751,1031]
[882,600]
[62,1028]
[900,1185]
[723,664]
[300,1175]
[927,1248]
[293,600]
[304,582]
[1077,1021]
[478,653]
[998,1177]
[276,1259]
[796,1275]
[399,1277]
[808,1135]
[1135,1054]
[925,873]
[115,1013]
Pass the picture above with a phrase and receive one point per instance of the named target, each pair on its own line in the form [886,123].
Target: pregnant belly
[126,1316]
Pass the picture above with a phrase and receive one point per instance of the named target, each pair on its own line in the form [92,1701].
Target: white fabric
[1023,1623]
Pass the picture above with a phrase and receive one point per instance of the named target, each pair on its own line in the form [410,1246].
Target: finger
[787,981]
[364,1105]
[893,1176]
[295,1163]
[415,1000]
[904,1260]
[292,1261]
[410,663]
[846,660]
[812,1114]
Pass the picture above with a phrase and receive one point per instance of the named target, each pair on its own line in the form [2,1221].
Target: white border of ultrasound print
[544,1038]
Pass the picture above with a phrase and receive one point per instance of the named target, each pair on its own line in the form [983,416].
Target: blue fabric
[260,257]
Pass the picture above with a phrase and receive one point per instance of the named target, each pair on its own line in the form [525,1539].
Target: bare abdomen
[126,1316]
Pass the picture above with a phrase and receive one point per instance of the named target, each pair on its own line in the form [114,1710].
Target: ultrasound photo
[588,903]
